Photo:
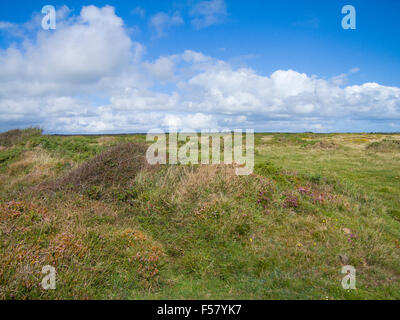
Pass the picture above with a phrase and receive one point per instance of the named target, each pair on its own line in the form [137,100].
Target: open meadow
[115,227]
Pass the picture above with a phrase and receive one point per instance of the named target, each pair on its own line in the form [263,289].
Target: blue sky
[268,65]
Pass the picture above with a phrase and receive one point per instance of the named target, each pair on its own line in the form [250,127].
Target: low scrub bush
[115,167]
[17,136]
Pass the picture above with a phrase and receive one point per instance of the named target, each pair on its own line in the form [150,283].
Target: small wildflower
[303,190]
[291,201]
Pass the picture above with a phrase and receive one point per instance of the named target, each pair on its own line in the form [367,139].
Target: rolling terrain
[116,228]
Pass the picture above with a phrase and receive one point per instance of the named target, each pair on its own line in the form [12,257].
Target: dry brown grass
[66,245]
[106,141]
[267,138]
[39,160]
[35,166]
[196,180]
[323,145]
[359,141]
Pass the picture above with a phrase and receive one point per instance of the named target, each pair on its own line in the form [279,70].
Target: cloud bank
[90,76]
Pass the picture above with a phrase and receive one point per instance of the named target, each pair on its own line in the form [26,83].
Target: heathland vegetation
[115,227]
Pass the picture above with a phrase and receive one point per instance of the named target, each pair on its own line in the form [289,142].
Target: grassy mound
[264,235]
[13,137]
[77,149]
[113,168]
[385,146]
[118,229]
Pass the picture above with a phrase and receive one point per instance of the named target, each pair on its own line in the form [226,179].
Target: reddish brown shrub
[114,167]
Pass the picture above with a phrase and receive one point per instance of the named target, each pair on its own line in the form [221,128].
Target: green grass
[8,156]
[75,148]
[201,232]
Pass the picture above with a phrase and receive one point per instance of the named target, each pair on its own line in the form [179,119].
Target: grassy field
[117,228]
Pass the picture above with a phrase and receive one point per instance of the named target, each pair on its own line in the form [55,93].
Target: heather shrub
[113,168]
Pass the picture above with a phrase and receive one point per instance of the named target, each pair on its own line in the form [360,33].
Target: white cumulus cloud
[90,76]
